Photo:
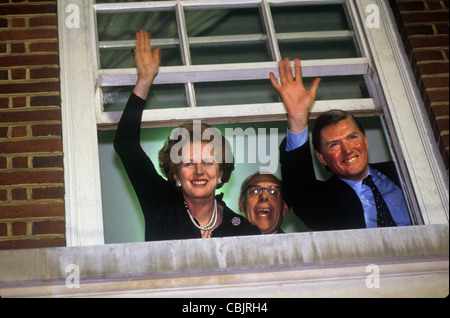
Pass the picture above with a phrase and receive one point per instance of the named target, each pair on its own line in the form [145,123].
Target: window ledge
[412,262]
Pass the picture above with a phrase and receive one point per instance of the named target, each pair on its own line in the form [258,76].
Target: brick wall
[31,157]
[423,25]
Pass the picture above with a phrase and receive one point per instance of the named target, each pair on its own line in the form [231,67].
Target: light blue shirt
[392,194]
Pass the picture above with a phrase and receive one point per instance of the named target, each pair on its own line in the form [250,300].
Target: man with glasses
[261,201]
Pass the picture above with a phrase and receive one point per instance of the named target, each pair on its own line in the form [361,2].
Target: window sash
[189,74]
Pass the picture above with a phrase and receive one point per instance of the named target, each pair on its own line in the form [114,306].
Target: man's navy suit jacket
[323,205]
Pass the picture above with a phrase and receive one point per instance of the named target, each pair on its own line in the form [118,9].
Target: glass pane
[123,27]
[229,53]
[236,92]
[219,23]
[318,49]
[261,91]
[223,22]
[309,18]
[160,96]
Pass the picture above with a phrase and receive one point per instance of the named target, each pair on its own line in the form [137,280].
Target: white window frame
[395,94]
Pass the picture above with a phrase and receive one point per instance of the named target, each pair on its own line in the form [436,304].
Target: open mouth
[263,211]
[199,182]
[350,160]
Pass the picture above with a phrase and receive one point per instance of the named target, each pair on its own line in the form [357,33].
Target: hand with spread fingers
[297,100]
[147,63]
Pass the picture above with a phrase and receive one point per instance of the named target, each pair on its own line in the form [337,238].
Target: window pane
[230,53]
[160,96]
[226,31]
[261,91]
[309,18]
[236,92]
[223,22]
[123,27]
[318,49]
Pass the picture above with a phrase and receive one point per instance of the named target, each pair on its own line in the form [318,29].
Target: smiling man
[261,201]
[359,194]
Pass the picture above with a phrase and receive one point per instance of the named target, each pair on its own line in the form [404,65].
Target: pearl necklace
[211,224]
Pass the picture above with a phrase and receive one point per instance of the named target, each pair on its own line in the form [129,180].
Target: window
[227,48]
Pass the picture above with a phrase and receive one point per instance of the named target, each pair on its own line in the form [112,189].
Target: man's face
[265,210]
[344,150]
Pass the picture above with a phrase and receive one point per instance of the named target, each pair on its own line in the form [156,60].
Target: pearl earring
[219,180]
[178,183]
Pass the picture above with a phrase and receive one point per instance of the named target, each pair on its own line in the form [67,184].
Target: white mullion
[220,4]
[238,113]
[316,35]
[305,2]
[123,7]
[185,54]
[270,30]
[231,72]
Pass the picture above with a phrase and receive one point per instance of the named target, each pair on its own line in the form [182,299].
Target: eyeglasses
[272,191]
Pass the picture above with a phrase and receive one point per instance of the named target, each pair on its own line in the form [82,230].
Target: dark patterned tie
[384,217]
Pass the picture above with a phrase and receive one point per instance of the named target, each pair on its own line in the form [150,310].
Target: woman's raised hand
[147,63]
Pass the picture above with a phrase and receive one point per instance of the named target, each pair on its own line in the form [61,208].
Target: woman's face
[198,172]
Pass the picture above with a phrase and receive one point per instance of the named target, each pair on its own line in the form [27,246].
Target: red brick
[18,74]
[28,60]
[419,30]
[48,162]
[411,6]
[18,9]
[3,163]
[27,87]
[19,131]
[20,162]
[4,103]
[48,193]
[45,101]
[437,96]
[29,115]
[19,228]
[442,28]
[48,227]
[435,82]
[18,22]
[31,177]
[19,194]
[424,17]
[434,5]
[433,68]
[33,243]
[439,111]
[3,132]
[18,48]
[426,42]
[43,21]
[49,47]
[31,146]
[32,210]
[3,195]
[428,55]
[46,130]
[3,229]
[46,72]
[19,101]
